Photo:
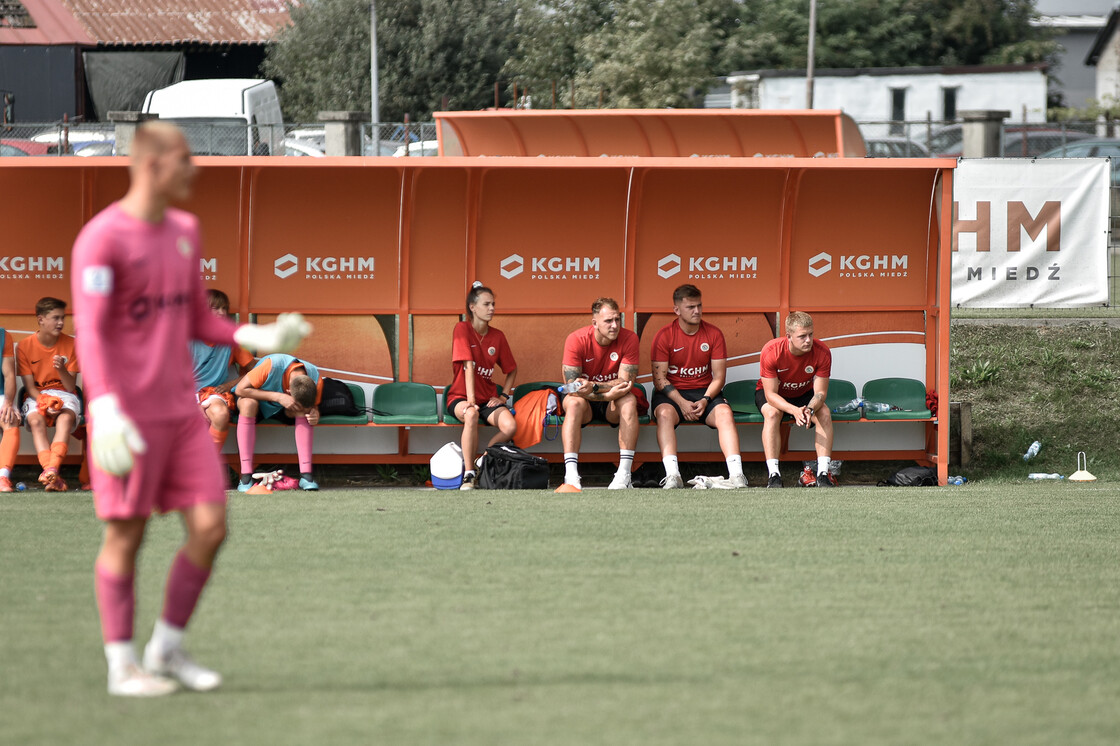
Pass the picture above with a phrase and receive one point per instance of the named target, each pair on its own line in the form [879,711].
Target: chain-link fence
[209,137]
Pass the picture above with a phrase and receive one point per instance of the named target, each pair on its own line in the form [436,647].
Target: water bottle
[850,406]
[1040,475]
[20,486]
[568,388]
[957,480]
[1032,451]
[876,406]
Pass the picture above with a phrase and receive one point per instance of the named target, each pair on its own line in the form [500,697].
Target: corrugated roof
[50,23]
[144,22]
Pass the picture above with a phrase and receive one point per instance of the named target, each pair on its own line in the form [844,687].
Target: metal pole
[374,92]
[812,53]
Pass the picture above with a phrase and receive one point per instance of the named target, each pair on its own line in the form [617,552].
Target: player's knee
[247,407]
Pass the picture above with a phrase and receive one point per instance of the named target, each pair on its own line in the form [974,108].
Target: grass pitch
[957,615]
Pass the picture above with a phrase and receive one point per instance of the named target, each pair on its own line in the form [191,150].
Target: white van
[223,116]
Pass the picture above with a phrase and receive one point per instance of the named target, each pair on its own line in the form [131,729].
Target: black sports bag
[507,467]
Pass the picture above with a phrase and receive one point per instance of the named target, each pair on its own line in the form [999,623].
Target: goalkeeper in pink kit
[138,302]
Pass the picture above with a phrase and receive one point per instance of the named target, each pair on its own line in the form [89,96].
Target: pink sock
[184,585]
[116,603]
[246,442]
[305,436]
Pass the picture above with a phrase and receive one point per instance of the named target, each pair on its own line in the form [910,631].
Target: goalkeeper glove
[114,437]
[284,335]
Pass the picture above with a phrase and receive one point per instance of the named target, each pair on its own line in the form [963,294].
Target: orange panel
[720,231]
[437,278]
[325,239]
[41,214]
[217,202]
[353,348]
[854,328]
[552,238]
[431,349]
[860,238]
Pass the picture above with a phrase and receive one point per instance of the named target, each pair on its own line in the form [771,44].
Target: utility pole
[375,116]
[812,54]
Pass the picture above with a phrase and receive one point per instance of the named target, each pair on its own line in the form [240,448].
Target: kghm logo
[32,267]
[512,266]
[820,264]
[208,268]
[551,267]
[861,265]
[285,266]
[710,267]
[667,266]
[326,267]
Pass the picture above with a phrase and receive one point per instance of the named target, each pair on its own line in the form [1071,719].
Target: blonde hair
[798,320]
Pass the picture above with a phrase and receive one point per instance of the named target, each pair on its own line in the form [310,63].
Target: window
[898,110]
[949,104]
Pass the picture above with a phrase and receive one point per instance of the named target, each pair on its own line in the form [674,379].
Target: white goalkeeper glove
[284,335]
[114,437]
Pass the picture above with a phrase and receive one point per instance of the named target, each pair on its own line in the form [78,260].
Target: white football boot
[176,664]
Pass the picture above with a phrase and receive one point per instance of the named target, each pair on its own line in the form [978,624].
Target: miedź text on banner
[1030,233]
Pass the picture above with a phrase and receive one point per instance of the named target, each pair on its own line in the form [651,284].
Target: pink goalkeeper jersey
[138,301]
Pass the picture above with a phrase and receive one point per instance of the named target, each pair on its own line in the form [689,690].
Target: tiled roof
[143,22]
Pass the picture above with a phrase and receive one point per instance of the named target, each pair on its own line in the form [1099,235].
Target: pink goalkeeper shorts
[180,468]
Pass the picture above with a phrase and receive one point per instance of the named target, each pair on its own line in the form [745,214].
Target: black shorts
[800,401]
[598,413]
[484,411]
[660,398]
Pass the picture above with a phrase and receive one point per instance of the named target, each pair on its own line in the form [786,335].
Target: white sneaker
[470,481]
[672,482]
[133,681]
[738,481]
[621,481]
[178,665]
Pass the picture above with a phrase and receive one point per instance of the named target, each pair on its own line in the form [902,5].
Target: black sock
[306,475]
[246,478]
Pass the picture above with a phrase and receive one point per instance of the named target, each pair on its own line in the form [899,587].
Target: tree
[427,51]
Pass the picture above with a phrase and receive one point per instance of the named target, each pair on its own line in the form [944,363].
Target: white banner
[1030,233]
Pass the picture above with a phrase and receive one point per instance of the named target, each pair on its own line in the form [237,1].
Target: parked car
[298,147]
[421,148]
[894,147]
[1094,148]
[24,147]
[7,151]
[1037,141]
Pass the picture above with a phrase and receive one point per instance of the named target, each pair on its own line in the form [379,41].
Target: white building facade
[893,94]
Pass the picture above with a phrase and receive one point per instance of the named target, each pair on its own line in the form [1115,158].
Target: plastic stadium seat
[740,395]
[449,418]
[907,394]
[405,403]
[359,401]
[841,392]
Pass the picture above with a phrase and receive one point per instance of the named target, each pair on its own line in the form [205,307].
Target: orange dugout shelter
[649,132]
[380,253]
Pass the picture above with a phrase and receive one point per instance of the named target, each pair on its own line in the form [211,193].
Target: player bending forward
[138,301]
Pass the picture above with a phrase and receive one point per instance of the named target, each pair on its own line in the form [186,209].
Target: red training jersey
[689,356]
[487,351]
[795,374]
[600,363]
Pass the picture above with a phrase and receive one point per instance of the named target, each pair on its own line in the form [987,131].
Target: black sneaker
[775,481]
[825,480]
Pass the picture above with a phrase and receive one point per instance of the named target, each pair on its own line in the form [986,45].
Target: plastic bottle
[850,406]
[876,406]
[1032,451]
[569,387]
[1040,475]
[957,480]
[20,486]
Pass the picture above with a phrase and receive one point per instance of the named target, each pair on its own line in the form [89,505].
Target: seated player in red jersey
[793,381]
[476,349]
[602,360]
[689,369]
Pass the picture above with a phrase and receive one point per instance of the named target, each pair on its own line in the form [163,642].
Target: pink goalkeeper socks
[184,586]
[116,604]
